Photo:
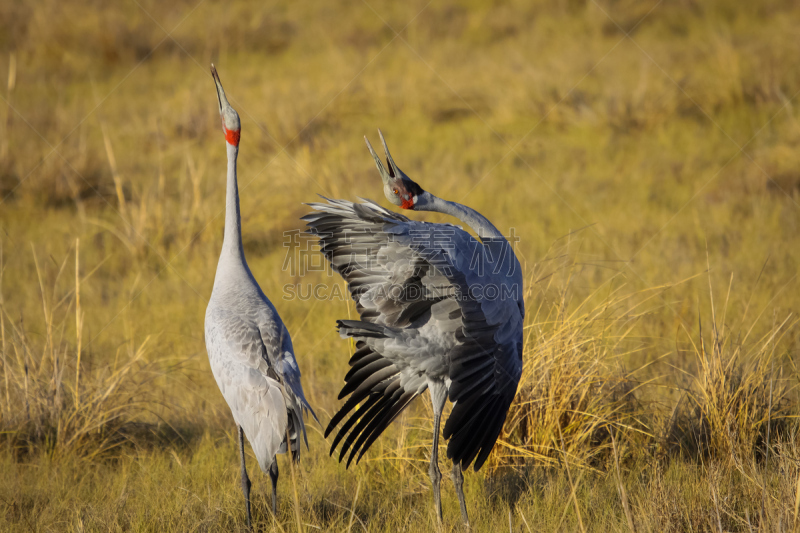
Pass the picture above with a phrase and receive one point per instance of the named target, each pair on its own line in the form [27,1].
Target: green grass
[646,175]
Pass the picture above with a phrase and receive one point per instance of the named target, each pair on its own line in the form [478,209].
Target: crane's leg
[273,475]
[458,481]
[438,398]
[245,479]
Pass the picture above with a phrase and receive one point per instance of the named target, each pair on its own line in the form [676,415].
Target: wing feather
[406,275]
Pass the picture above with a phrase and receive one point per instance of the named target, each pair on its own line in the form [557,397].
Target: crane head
[398,188]
[231,126]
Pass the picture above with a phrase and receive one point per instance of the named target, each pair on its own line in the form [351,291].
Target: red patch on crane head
[232,136]
[407,204]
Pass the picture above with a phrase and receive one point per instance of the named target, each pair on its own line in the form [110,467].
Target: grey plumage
[423,322]
[249,348]
[420,326]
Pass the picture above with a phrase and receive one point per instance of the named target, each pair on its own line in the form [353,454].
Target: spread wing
[415,284]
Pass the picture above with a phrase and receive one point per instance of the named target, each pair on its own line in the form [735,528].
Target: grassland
[646,154]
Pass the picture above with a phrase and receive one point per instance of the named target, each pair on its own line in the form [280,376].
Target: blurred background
[645,154]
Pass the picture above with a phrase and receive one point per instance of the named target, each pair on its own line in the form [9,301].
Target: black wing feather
[358,239]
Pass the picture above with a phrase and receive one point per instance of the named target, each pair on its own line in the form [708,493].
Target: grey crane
[248,346]
[439,310]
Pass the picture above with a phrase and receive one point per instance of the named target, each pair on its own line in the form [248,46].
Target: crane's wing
[401,272]
[279,353]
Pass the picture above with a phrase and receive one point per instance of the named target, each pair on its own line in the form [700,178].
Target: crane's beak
[223,102]
[393,171]
[385,176]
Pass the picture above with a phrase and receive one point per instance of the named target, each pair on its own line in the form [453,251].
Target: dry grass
[743,392]
[50,406]
[575,391]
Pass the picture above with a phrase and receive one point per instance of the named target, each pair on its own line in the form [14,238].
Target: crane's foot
[458,480]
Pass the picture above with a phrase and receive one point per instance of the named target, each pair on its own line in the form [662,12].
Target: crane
[439,310]
[248,346]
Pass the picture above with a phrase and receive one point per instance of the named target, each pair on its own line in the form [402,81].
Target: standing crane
[439,309]
[248,346]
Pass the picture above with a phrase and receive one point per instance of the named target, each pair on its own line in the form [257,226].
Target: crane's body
[253,362]
[249,348]
[439,310]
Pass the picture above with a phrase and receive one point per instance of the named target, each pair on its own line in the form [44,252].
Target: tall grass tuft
[574,390]
[740,395]
[57,401]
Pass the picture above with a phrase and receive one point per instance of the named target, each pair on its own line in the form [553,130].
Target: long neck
[500,251]
[479,223]
[232,241]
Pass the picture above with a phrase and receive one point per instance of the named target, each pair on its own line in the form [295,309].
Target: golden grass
[574,392]
[44,409]
[738,396]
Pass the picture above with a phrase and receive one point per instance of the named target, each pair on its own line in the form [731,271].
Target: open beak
[393,171]
[378,163]
[223,102]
